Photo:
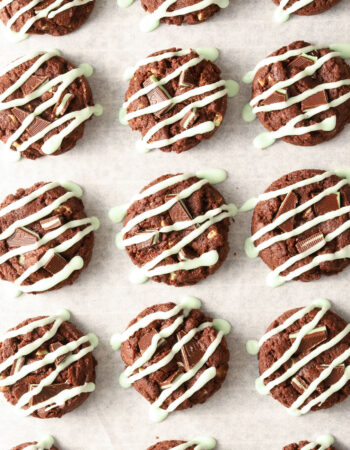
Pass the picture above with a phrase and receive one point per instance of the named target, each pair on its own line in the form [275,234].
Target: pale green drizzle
[45,444]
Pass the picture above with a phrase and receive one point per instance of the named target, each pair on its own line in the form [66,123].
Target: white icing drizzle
[202,223]
[229,88]
[201,443]
[291,128]
[322,443]
[128,377]
[51,11]
[76,263]
[45,444]
[274,278]
[283,12]
[49,358]
[297,407]
[74,118]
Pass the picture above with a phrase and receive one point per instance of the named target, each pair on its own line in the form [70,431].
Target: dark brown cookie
[329,123]
[51,92]
[46,240]
[312,240]
[324,349]
[27,356]
[302,444]
[45,19]
[170,136]
[315,7]
[205,443]
[186,374]
[23,446]
[166,445]
[173,255]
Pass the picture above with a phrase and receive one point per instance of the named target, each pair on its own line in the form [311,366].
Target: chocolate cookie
[46,443]
[288,7]
[44,103]
[301,93]
[45,17]
[176,98]
[174,355]
[46,240]
[204,443]
[46,366]
[323,442]
[28,444]
[301,225]
[304,359]
[176,229]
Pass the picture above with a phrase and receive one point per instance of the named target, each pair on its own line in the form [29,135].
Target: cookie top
[176,229]
[303,445]
[46,240]
[301,225]
[31,444]
[304,359]
[204,443]
[44,18]
[301,94]
[174,355]
[176,98]
[44,102]
[288,7]
[46,366]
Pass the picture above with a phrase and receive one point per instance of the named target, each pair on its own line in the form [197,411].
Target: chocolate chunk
[63,104]
[19,114]
[276,97]
[179,212]
[146,340]
[299,384]
[21,237]
[157,95]
[55,264]
[189,119]
[329,203]
[46,393]
[335,375]
[289,203]
[168,382]
[187,78]
[318,99]
[191,352]
[51,223]
[59,359]
[301,62]
[309,242]
[37,126]
[33,83]
[17,365]
[312,340]
[151,241]
[308,214]
[186,253]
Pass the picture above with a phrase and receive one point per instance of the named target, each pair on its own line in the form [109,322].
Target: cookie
[322,443]
[176,12]
[176,229]
[46,366]
[301,94]
[301,7]
[304,359]
[46,443]
[176,99]
[44,17]
[44,103]
[204,443]
[301,225]
[174,355]
[46,240]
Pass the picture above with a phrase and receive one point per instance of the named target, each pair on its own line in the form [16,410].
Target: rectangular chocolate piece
[59,359]
[157,95]
[19,114]
[327,204]
[37,126]
[312,340]
[276,97]
[191,352]
[187,78]
[33,83]
[22,237]
[301,62]
[189,119]
[179,212]
[51,223]
[146,340]
[63,104]
[299,384]
[318,99]
[152,241]
[168,382]
[47,392]
[289,203]
[55,264]
[17,365]
[309,242]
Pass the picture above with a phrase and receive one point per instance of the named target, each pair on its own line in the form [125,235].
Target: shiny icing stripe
[49,12]
[253,348]
[322,443]
[44,444]
[282,13]
[64,80]
[50,358]
[201,443]
[274,278]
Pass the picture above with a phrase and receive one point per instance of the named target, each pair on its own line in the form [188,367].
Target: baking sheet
[107,165]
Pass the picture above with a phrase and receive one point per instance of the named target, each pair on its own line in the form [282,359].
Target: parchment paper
[107,165]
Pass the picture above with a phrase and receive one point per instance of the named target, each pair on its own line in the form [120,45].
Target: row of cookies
[64,16]
[176,99]
[203,443]
[176,230]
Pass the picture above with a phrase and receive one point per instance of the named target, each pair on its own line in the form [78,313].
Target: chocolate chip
[33,83]
[46,393]
[19,114]
[186,253]
[312,340]
[17,365]
[189,119]
[146,340]
[51,222]
[299,384]
[55,264]
[329,203]
[318,99]
[59,359]
[37,126]
[157,95]
[301,62]
[276,97]
[63,104]
[306,244]
[289,203]
[187,78]
[191,352]
[179,212]
[22,237]
[168,382]
[151,241]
